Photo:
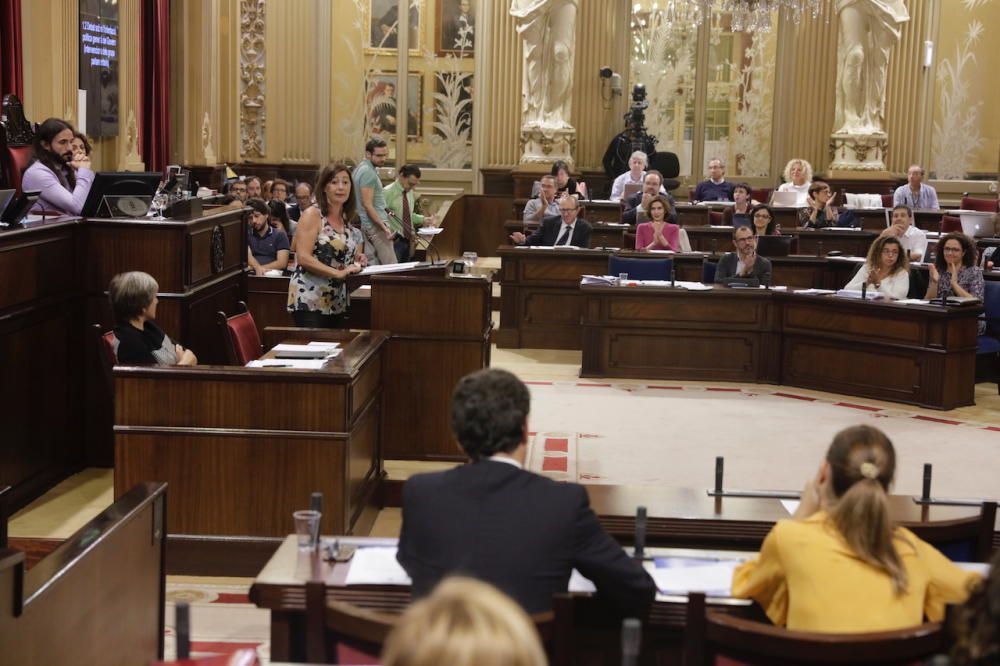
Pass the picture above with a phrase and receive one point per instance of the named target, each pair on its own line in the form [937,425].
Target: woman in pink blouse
[661,232]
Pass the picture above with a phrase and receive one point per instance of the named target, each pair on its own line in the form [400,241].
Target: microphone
[316,502]
[182,625]
[864,290]
[819,248]
[719,467]
[673,274]
[640,532]
[631,641]
[925,494]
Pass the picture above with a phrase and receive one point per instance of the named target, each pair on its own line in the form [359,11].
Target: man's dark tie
[564,238]
[407,220]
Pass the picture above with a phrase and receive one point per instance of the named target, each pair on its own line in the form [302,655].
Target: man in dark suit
[744,265]
[493,520]
[567,229]
[636,204]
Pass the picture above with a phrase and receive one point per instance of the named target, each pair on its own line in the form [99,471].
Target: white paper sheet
[376,566]
[329,346]
[791,506]
[298,351]
[289,363]
[430,231]
[578,583]
[715,578]
[389,268]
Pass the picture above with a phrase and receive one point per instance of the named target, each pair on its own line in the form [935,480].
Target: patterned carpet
[222,618]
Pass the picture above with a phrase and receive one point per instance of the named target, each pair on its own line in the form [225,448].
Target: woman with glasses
[886,270]
[954,271]
[763,220]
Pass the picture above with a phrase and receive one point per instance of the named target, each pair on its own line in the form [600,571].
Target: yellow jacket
[807,578]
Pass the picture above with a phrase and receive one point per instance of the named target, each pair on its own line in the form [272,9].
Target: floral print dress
[318,293]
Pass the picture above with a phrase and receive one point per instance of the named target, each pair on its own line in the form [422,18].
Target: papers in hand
[388,268]
[430,231]
[680,575]
[376,566]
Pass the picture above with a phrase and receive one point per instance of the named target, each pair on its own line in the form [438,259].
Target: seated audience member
[265,190]
[636,172]
[237,189]
[139,341]
[716,187]
[798,177]
[253,187]
[565,184]
[954,271]
[744,264]
[567,229]
[277,213]
[279,190]
[81,144]
[327,251]
[267,246]
[400,204]
[61,175]
[764,223]
[662,231]
[975,625]
[819,212]
[545,204]
[885,577]
[739,214]
[886,270]
[915,193]
[635,205]
[515,529]
[464,622]
[303,199]
[914,240]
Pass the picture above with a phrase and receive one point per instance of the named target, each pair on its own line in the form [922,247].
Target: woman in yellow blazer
[840,565]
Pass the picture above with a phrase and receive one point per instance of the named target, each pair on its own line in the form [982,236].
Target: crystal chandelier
[746,15]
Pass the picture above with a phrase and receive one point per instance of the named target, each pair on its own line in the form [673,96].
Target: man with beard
[62,176]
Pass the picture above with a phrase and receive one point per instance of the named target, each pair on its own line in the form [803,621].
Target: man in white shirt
[915,193]
[636,172]
[913,240]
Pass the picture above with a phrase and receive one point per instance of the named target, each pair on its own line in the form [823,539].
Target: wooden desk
[96,599]
[242,448]
[280,587]
[921,355]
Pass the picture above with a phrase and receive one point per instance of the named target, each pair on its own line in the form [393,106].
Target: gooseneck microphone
[631,640]
[640,532]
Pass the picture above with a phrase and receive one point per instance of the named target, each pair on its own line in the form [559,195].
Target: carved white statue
[547,29]
[868,31]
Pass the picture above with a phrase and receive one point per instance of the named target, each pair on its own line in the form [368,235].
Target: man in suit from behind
[493,520]
[567,229]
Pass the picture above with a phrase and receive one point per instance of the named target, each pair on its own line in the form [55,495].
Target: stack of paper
[680,575]
[870,295]
[298,351]
[606,280]
[389,268]
[376,566]
[814,292]
[289,363]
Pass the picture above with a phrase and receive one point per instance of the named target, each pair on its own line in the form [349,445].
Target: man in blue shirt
[915,193]
[267,247]
[371,204]
[716,188]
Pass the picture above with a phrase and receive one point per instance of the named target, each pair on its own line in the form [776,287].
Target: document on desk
[814,292]
[389,268]
[286,351]
[289,363]
[606,280]
[694,286]
[791,506]
[376,566]
[681,575]
[333,347]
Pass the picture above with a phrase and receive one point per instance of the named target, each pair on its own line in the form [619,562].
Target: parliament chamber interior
[539,371]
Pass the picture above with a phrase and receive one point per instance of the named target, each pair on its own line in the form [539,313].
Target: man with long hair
[61,175]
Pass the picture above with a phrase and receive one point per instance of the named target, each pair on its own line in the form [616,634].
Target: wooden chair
[333,627]
[240,336]
[16,139]
[710,635]
[966,540]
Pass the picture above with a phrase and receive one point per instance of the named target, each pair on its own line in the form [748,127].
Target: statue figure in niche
[547,29]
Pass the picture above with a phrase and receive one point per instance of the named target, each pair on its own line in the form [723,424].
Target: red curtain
[154,128]
[11,72]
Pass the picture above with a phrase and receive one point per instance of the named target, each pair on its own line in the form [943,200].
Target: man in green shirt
[399,202]
[370,201]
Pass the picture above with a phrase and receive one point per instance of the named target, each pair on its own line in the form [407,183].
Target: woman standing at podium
[328,250]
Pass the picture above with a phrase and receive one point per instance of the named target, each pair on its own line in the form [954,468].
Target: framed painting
[380,101]
[455,28]
[382,20]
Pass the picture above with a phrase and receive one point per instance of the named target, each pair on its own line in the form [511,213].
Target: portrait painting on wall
[455,28]
[382,18]
[383,114]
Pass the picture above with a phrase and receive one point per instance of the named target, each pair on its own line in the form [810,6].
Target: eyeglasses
[762,215]
[564,211]
[890,251]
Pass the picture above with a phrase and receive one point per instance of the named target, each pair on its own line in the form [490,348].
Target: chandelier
[746,15]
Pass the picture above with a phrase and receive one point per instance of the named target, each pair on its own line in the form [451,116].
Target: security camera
[606,73]
[616,84]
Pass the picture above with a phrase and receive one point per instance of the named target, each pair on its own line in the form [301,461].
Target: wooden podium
[439,332]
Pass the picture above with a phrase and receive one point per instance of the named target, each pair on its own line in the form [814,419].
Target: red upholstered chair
[16,138]
[984,205]
[241,339]
[711,635]
[761,194]
[341,633]
[887,201]
[950,223]
[716,217]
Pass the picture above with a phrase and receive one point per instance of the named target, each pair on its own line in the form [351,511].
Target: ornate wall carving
[252,63]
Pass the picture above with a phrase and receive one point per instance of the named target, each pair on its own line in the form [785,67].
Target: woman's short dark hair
[669,214]
[818,185]
[488,412]
[259,206]
[87,148]
[326,176]
[772,223]
[969,252]
[559,165]
[743,186]
[130,293]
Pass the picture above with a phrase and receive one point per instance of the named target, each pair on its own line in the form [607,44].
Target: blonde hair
[464,622]
[806,169]
[862,464]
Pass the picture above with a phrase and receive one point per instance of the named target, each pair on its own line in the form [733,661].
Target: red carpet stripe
[853,406]
[796,397]
[934,419]
[231,598]
[221,647]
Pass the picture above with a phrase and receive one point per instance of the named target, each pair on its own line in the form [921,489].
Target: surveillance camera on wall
[606,72]
[616,84]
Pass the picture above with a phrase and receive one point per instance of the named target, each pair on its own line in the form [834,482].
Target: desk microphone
[925,494]
[640,532]
[864,290]
[715,246]
[819,248]
[182,625]
[316,502]
[631,640]
[719,471]
[673,274]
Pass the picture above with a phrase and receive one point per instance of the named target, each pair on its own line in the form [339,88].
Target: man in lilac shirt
[62,177]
